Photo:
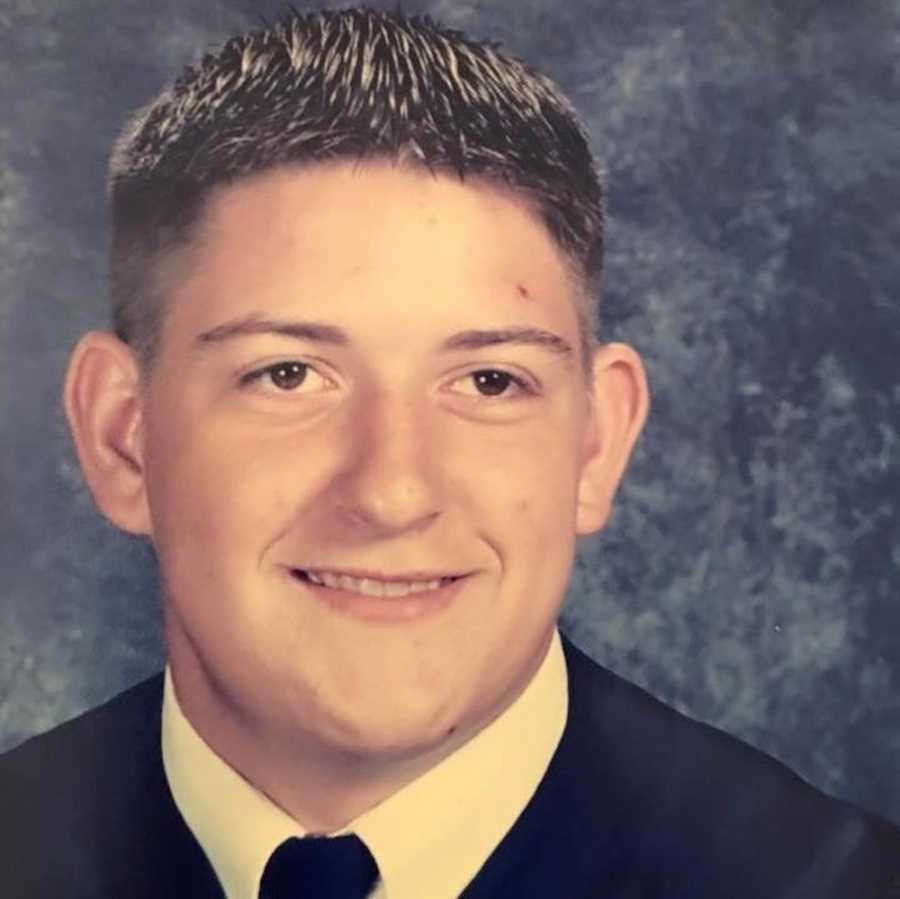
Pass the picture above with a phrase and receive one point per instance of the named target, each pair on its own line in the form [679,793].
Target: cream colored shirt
[429,839]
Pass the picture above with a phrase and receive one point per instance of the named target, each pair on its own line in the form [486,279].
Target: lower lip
[384,608]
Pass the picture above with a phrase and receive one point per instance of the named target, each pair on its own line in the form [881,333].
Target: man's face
[339,410]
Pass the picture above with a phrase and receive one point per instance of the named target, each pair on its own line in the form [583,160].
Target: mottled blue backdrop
[753,150]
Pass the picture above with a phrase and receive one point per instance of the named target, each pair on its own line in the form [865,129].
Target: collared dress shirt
[429,839]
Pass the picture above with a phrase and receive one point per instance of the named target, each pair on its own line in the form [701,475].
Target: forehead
[376,234]
[366,191]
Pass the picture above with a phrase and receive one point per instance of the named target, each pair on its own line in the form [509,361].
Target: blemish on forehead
[522,291]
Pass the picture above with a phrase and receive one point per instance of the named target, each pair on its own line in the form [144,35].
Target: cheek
[206,490]
[532,479]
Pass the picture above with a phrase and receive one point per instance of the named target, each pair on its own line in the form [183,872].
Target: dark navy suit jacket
[639,802]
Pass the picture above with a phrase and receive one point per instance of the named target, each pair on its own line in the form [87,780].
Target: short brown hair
[330,85]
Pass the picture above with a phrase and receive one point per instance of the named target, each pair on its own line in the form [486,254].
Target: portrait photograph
[457,444]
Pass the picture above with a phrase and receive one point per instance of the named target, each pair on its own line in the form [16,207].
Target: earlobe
[618,411]
[102,398]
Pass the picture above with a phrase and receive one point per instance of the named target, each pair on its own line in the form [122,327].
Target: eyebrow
[319,332]
[246,327]
[475,340]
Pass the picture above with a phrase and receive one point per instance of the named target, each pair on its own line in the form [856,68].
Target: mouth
[370,585]
[382,597]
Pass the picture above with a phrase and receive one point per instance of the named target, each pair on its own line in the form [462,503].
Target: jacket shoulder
[693,803]
[66,796]
[75,749]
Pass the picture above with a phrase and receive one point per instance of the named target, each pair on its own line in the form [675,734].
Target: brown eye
[288,375]
[491,382]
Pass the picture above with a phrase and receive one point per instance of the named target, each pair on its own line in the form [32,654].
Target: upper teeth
[371,586]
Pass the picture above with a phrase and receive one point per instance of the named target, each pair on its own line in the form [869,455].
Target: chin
[398,733]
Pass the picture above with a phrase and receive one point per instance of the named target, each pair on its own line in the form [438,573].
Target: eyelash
[258,374]
[522,387]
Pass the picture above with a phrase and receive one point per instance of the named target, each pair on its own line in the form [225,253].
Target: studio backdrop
[752,149]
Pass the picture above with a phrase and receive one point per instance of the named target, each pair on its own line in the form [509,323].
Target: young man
[354,399]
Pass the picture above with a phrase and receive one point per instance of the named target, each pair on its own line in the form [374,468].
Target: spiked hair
[355,84]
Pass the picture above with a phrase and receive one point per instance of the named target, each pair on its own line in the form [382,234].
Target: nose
[389,480]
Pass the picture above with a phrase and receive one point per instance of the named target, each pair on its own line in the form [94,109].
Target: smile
[370,586]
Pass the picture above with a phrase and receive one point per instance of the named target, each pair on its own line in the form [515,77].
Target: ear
[103,403]
[618,409]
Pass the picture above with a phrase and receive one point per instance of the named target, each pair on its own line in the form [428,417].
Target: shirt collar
[430,838]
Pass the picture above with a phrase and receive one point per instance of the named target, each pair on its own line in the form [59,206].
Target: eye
[492,382]
[285,377]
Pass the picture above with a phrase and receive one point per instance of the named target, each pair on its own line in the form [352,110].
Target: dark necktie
[319,868]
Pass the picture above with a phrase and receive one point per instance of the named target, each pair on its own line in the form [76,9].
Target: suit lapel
[157,855]
[563,841]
